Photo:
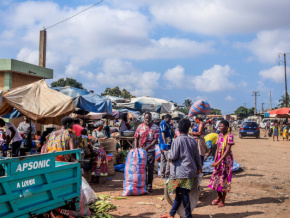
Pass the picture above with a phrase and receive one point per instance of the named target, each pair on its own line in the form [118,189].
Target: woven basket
[111,169]
[109,145]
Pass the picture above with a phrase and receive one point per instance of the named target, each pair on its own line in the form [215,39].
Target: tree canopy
[117,92]
[67,82]
[282,101]
[243,112]
[187,103]
[215,111]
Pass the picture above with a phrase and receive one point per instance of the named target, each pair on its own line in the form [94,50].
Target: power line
[75,14]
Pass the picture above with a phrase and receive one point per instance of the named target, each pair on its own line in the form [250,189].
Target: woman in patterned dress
[223,165]
[61,140]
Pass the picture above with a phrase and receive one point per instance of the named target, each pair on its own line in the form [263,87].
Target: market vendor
[99,131]
[26,127]
[124,124]
[210,141]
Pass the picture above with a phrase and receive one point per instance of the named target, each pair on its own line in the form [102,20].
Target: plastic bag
[89,192]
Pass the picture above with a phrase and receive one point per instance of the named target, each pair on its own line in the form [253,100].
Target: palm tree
[282,101]
[187,102]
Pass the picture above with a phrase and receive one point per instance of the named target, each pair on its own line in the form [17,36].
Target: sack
[135,173]
[89,192]
[157,152]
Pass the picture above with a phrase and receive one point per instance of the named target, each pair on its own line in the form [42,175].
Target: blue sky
[217,50]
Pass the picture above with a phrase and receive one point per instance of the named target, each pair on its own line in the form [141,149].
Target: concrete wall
[21,79]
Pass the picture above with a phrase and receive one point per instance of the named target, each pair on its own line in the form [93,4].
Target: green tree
[242,112]
[251,111]
[282,101]
[117,92]
[67,82]
[187,103]
[215,111]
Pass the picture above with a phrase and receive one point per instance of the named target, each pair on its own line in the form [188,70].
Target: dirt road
[262,189]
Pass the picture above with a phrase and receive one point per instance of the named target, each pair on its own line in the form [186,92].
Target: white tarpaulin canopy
[149,104]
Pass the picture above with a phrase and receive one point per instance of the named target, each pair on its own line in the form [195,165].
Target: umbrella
[87,101]
[199,107]
[38,102]
[283,112]
[149,104]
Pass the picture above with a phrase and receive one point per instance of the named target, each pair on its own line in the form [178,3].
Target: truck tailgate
[36,184]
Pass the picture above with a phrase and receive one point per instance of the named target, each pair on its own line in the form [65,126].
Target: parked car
[265,120]
[249,128]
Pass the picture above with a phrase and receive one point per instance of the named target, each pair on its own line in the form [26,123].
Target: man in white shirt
[11,135]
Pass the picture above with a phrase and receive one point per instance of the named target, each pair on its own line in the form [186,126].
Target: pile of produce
[101,207]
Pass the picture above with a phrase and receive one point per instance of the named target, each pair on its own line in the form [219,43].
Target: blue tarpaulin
[87,101]
[208,169]
[14,114]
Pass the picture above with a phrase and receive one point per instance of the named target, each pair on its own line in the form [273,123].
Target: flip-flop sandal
[221,204]
[166,216]
[215,202]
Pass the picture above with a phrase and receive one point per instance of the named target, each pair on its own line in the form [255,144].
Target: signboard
[31,165]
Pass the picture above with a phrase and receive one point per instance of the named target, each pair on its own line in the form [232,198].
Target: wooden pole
[42,48]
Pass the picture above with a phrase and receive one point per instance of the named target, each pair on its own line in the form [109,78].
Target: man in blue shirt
[165,137]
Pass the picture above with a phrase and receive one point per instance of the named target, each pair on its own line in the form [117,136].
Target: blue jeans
[181,195]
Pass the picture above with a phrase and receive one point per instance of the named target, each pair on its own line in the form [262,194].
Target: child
[223,165]
[185,165]
[276,131]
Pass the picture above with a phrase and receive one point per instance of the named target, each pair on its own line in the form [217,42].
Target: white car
[265,120]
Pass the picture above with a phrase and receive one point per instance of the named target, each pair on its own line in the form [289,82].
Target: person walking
[146,137]
[223,165]
[185,166]
[11,135]
[276,131]
[165,137]
[267,128]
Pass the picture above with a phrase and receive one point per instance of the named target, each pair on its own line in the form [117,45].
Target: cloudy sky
[218,50]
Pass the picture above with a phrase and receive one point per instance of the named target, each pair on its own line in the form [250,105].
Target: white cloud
[243,84]
[175,76]
[268,44]
[214,79]
[216,17]
[100,33]
[276,73]
[120,73]
[229,98]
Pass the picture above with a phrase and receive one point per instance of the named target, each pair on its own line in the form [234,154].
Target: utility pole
[285,71]
[255,93]
[286,94]
[270,100]
[263,107]
[42,48]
